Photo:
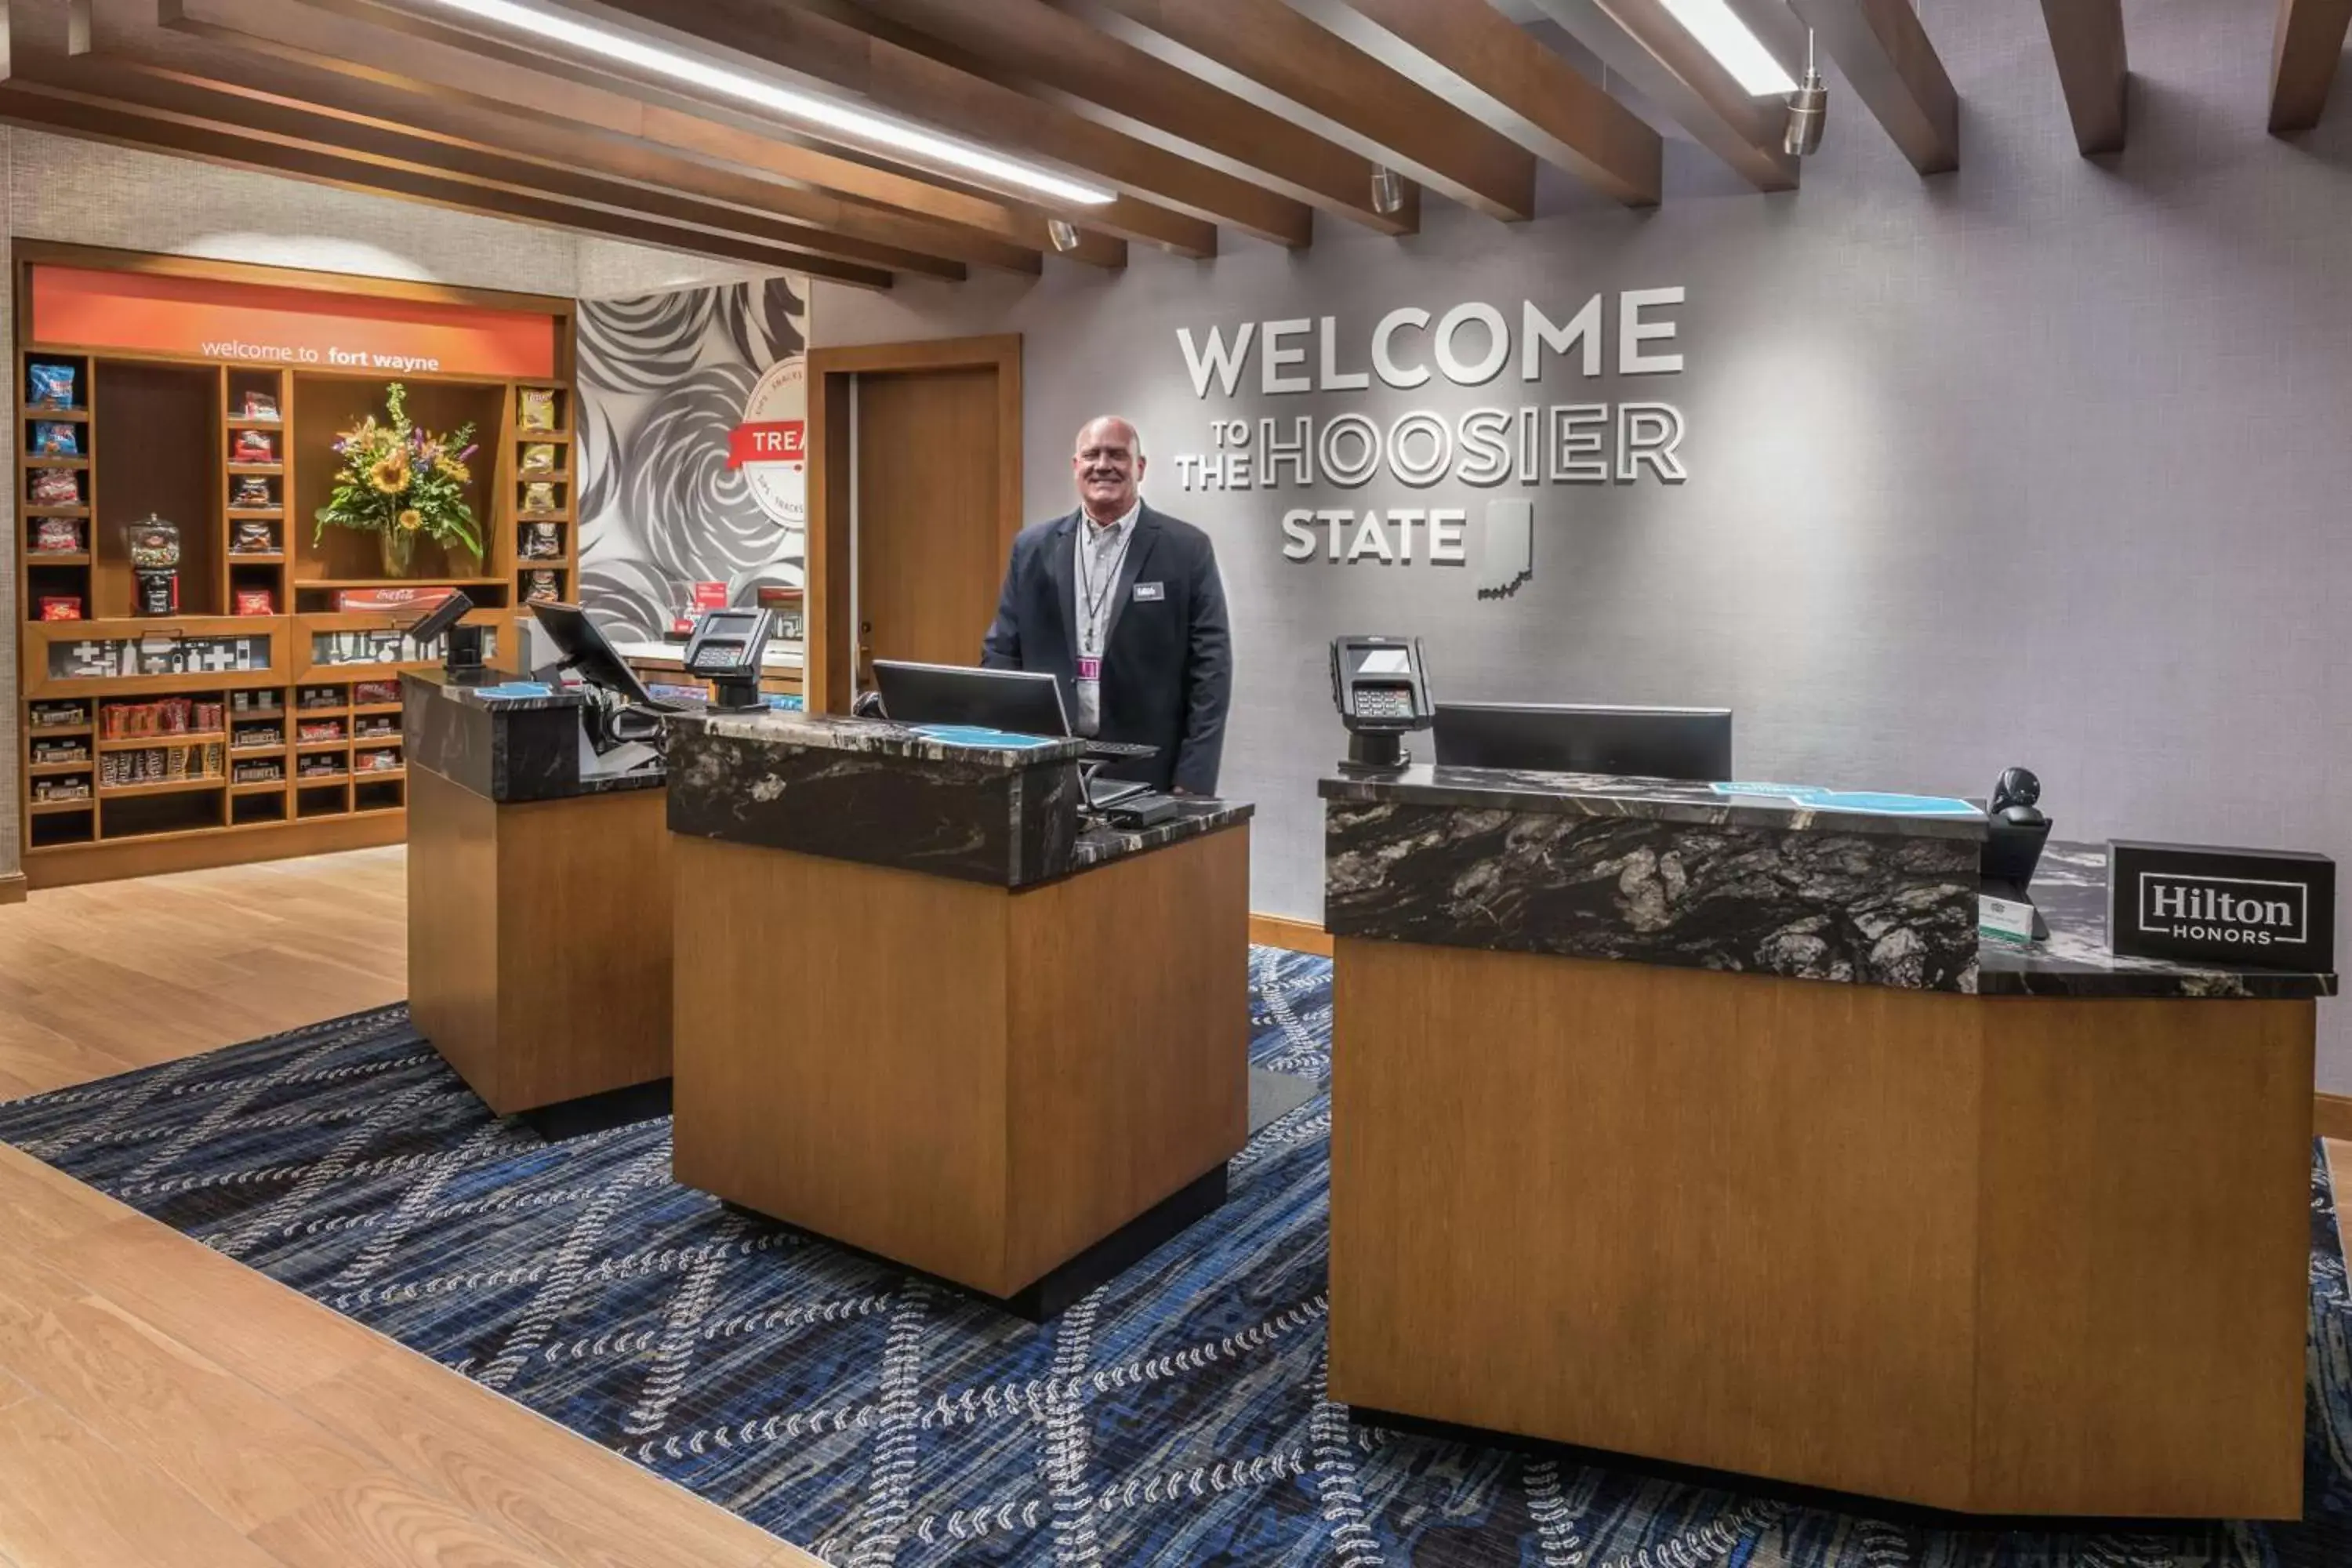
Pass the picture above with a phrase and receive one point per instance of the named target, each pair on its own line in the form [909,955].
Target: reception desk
[1705,1129]
[923,1011]
[539,960]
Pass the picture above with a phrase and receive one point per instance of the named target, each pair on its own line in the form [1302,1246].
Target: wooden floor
[160,1405]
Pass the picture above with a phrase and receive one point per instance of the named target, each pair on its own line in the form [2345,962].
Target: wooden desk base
[976,1082]
[2011,1254]
[538,959]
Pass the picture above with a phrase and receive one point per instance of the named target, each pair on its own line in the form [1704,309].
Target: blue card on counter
[980,735]
[514,691]
[1871,802]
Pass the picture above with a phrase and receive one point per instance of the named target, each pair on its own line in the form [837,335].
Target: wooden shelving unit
[255,626]
[540,574]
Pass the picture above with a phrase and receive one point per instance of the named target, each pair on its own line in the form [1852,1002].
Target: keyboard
[1101,793]
[1127,749]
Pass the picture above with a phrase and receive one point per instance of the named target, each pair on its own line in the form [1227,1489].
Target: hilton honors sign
[2268,907]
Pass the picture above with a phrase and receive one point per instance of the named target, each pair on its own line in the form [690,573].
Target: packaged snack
[541,541]
[253,447]
[60,606]
[538,496]
[539,457]
[254,602]
[251,536]
[538,587]
[367,693]
[252,492]
[55,486]
[386,601]
[56,535]
[50,386]
[56,438]
[537,408]
[256,404]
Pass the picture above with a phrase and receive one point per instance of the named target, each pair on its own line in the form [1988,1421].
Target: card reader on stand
[1378,686]
[461,654]
[726,650]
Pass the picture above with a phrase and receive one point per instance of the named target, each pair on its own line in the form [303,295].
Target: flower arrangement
[401,483]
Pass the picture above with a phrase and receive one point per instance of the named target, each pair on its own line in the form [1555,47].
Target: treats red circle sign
[770,446]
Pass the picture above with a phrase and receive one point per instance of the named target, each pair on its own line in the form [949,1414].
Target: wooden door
[929,554]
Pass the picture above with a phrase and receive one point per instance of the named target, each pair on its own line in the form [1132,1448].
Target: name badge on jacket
[1146,591]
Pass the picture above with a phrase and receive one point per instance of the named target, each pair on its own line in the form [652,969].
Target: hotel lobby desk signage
[2274,909]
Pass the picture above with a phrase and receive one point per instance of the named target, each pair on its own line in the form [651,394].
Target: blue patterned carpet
[1174,1417]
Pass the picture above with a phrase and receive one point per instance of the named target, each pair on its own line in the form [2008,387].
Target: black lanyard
[1095,602]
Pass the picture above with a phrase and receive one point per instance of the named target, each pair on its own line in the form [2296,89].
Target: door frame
[831,651]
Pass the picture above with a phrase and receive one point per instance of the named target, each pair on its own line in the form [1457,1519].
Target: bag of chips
[254,602]
[50,386]
[55,486]
[252,492]
[538,587]
[55,535]
[256,404]
[251,536]
[539,457]
[60,606]
[56,438]
[538,408]
[254,446]
[540,541]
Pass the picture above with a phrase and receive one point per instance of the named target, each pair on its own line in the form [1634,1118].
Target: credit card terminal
[725,650]
[1378,686]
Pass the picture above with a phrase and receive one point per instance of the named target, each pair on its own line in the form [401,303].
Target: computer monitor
[1688,743]
[1022,701]
[584,649]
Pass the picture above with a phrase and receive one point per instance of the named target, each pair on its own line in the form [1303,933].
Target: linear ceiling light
[709,76]
[1723,34]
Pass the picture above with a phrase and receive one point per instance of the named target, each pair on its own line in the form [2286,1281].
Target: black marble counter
[1644,800]
[506,749]
[892,795]
[1655,872]
[2070,887]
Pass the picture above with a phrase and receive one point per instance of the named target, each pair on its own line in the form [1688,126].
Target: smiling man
[1123,605]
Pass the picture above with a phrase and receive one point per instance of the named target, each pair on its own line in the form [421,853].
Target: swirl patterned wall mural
[664,381]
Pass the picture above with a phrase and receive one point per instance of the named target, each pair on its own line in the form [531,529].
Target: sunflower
[412,519]
[450,468]
[390,475]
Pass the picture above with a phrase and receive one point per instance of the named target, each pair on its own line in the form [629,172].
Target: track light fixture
[1388,191]
[1064,235]
[1809,109]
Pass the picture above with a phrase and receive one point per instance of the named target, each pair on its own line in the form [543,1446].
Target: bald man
[1123,605]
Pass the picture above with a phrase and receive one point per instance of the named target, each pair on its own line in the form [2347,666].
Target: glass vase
[399,551]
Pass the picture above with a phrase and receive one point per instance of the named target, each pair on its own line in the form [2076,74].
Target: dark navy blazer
[1168,662]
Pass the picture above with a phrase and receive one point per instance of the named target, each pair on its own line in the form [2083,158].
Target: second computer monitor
[1687,743]
[1025,702]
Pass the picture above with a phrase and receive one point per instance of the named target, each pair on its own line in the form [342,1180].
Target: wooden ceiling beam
[1266,52]
[438,74]
[198,62]
[23,103]
[95,79]
[1893,69]
[2304,53]
[1479,59]
[1166,199]
[1049,52]
[2087,37]
[1641,42]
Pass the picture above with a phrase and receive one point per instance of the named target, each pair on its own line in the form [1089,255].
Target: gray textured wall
[2047,461]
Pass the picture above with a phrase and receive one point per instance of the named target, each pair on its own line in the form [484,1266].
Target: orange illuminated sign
[267,326]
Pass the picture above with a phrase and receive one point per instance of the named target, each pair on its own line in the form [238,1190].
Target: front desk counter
[920,1011]
[1707,1131]
[539,958]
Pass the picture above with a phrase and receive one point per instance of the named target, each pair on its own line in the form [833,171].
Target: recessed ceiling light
[1723,34]
[707,76]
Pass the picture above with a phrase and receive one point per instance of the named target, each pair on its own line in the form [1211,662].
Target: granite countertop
[876,738]
[2070,887]
[437,683]
[1100,843]
[1654,800]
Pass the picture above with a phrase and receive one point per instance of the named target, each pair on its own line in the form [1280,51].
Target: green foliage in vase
[396,476]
